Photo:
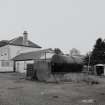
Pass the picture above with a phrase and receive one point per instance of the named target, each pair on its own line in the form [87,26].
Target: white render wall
[4,52]
[16,50]
[22,65]
[9,51]
[6,68]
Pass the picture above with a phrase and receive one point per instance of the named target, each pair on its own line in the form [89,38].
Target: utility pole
[89,55]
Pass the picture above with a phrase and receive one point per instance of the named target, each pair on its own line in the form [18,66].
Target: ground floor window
[6,63]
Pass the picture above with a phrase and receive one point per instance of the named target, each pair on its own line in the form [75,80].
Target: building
[29,58]
[11,48]
[99,69]
[45,63]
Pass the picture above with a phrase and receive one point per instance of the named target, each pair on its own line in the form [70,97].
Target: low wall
[74,77]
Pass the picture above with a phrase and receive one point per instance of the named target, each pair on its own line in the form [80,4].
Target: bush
[65,67]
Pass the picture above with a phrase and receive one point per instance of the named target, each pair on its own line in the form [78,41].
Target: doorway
[100,70]
[31,72]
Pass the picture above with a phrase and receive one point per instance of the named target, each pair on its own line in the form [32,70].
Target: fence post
[14,66]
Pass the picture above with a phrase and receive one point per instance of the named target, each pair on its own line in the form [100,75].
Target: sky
[63,24]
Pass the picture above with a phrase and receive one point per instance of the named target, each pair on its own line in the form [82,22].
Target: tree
[98,54]
[74,52]
[58,51]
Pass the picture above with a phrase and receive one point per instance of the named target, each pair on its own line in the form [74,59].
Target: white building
[24,59]
[11,48]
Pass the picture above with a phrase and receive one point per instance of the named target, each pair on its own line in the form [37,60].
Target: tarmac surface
[16,90]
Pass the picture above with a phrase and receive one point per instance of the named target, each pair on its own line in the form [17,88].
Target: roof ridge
[37,51]
[18,41]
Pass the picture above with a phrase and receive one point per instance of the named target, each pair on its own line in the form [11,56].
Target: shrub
[67,67]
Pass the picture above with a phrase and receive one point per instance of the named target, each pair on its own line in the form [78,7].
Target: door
[100,70]
[30,68]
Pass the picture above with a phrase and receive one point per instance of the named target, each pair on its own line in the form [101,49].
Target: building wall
[6,66]
[4,52]
[8,52]
[16,50]
[21,66]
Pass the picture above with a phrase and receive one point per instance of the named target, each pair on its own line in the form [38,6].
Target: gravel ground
[15,90]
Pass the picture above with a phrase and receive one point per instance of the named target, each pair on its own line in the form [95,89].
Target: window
[5,53]
[6,63]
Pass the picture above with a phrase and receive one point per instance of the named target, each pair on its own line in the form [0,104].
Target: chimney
[25,38]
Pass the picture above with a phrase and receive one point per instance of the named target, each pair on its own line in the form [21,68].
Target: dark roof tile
[18,42]
[32,55]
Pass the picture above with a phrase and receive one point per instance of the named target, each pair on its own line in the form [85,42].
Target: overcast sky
[64,24]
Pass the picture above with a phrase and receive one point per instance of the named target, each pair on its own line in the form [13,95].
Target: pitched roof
[3,43]
[54,57]
[32,55]
[18,42]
